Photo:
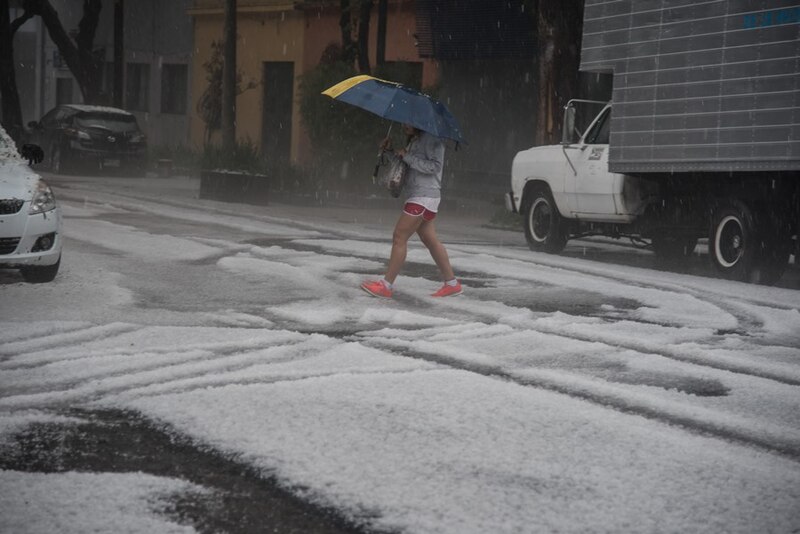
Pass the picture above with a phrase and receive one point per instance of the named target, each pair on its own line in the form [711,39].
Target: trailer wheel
[545,230]
[733,240]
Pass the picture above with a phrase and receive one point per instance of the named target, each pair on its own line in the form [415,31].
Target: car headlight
[43,199]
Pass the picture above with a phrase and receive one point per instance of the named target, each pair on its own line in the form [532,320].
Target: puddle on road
[700,387]
[241,500]
[543,298]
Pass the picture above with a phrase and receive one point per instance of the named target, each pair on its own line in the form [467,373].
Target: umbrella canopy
[399,103]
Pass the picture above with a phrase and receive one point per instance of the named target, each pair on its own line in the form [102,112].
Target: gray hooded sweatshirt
[425,159]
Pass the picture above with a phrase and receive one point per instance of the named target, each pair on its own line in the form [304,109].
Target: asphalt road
[244,500]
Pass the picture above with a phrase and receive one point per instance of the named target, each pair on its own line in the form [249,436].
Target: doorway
[276,122]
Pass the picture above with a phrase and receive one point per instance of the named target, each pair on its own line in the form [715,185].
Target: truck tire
[733,241]
[673,247]
[545,230]
[773,259]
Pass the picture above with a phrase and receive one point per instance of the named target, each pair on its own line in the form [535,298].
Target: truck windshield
[599,134]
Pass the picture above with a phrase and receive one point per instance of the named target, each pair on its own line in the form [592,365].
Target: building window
[173,88]
[137,85]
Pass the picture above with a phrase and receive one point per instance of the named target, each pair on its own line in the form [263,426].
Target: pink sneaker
[377,289]
[448,291]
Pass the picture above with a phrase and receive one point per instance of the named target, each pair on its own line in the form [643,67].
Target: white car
[30,218]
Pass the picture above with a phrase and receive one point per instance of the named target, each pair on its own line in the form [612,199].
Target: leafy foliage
[209,106]
[345,138]
[183,157]
[244,157]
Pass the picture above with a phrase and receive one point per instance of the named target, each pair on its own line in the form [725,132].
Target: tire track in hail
[768,442]
[78,391]
[60,340]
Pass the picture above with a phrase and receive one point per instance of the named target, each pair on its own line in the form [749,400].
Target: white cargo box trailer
[701,137]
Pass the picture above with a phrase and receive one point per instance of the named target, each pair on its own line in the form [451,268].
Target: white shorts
[429,203]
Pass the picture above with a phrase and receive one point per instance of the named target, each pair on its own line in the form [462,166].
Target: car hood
[17,180]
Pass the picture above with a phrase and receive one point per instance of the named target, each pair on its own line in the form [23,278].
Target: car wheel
[40,275]
[59,162]
[55,159]
[544,227]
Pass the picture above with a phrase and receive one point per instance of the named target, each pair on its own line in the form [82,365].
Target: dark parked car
[91,138]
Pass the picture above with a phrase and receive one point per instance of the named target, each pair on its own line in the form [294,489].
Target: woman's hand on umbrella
[386,144]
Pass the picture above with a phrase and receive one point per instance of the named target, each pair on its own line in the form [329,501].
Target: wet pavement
[240,499]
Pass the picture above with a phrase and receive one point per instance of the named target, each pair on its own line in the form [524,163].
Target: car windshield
[111,121]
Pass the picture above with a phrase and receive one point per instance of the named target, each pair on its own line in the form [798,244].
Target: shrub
[243,158]
[182,156]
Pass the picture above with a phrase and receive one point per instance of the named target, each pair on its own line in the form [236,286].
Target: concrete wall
[263,36]
[155,33]
[159,33]
[276,31]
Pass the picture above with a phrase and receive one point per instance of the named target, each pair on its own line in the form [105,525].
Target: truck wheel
[733,241]
[673,247]
[544,228]
[773,258]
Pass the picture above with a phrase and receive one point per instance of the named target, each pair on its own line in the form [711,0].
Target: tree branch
[87,27]
[19,21]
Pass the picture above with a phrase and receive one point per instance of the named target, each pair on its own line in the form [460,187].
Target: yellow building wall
[270,33]
[322,30]
[263,36]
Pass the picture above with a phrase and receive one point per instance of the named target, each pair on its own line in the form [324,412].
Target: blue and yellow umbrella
[398,103]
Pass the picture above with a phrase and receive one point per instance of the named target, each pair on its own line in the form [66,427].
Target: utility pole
[119,53]
[228,118]
[380,56]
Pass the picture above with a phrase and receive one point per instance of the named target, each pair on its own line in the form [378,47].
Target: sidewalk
[462,220]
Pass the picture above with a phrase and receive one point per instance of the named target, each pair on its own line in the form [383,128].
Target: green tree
[560,27]
[354,25]
[209,105]
[85,63]
[9,96]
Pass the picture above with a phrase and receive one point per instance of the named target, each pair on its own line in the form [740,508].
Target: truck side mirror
[569,125]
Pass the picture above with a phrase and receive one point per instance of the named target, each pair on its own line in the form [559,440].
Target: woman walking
[424,155]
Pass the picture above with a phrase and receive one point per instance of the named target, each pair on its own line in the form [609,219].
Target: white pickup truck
[703,140]
[566,190]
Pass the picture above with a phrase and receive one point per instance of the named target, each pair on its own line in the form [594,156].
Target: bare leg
[403,230]
[427,233]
